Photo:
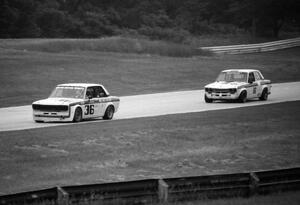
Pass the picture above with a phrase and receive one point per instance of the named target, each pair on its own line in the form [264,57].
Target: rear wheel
[243,97]
[109,113]
[77,115]
[207,100]
[264,95]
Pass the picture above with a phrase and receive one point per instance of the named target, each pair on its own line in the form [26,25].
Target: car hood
[58,101]
[225,85]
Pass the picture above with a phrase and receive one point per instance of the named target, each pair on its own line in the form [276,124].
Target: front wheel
[243,97]
[207,100]
[109,113]
[264,95]
[77,115]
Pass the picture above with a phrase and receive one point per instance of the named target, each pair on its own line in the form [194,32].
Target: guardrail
[254,48]
[168,190]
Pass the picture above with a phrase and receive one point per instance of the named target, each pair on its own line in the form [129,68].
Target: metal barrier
[207,187]
[132,192]
[153,191]
[254,48]
[46,196]
[276,180]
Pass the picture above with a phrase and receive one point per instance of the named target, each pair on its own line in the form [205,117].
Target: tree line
[157,19]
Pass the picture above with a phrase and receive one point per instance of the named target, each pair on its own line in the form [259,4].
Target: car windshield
[232,76]
[67,92]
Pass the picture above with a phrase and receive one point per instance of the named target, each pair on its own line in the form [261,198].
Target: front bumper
[222,96]
[51,116]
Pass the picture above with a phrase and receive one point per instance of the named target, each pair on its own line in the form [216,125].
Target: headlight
[209,90]
[232,91]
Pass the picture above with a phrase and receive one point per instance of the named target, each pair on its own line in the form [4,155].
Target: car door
[103,99]
[258,80]
[92,103]
[252,86]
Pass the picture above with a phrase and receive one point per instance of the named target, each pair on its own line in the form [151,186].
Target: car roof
[241,70]
[80,84]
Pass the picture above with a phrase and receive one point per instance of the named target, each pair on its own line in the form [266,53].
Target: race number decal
[254,90]
[89,110]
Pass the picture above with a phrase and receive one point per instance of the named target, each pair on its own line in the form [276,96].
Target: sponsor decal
[248,85]
[95,101]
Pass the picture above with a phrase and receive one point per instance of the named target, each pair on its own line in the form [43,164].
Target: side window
[261,76]
[100,92]
[257,76]
[251,78]
[90,92]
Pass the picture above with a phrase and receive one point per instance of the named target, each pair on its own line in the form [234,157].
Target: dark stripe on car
[50,108]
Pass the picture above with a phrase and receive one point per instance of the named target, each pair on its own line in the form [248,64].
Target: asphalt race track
[20,118]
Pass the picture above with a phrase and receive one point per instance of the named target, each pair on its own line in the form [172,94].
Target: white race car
[75,102]
[238,84]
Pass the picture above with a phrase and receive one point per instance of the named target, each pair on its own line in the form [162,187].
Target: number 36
[89,110]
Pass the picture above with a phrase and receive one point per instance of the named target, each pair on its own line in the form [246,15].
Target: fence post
[162,191]
[62,196]
[254,180]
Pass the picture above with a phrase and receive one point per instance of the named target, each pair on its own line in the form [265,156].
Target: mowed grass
[215,142]
[109,44]
[31,68]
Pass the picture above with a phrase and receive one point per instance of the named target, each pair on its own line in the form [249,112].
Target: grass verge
[214,142]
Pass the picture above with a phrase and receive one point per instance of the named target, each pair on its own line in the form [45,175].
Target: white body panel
[222,90]
[55,109]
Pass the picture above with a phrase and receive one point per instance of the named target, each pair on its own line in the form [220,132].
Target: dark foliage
[158,19]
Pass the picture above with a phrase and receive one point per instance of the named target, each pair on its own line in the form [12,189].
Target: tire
[243,97]
[207,100]
[109,113]
[264,95]
[77,115]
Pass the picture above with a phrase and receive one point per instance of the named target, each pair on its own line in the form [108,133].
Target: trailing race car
[238,84]
[75,102]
